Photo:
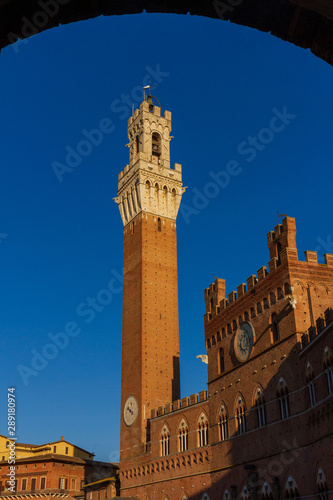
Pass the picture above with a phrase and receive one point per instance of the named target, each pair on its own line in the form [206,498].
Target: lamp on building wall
[204,358]
[292,301]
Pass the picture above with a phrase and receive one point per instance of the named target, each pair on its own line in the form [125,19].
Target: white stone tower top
[148,184]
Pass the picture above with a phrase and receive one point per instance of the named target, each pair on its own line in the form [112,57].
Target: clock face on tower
[130,411]
[243,343]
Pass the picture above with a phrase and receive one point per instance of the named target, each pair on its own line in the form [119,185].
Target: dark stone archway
[306,23]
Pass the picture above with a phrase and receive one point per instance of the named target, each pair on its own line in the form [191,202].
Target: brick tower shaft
[149,194]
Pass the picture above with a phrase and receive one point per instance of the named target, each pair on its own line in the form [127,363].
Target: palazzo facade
[263,429]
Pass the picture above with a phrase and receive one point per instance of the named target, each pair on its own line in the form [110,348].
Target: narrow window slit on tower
[159,227]
[137,144]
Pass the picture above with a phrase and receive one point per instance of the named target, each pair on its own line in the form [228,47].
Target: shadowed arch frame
[305,23]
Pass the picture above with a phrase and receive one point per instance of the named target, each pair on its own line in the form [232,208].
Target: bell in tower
[150,102]
[156,144]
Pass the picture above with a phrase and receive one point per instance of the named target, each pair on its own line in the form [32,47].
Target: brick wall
[150,344]
[52,471]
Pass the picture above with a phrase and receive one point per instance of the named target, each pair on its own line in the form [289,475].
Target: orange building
[53,470]
[263,430]
[104,489]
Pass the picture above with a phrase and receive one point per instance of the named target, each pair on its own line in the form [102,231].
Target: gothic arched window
[322,485]
[261,407]
[266,492]
[203,430]
[165,440]
[244,494]
[240,415]
[223,423]
[183,435]
[291,490]
[328,365]
[226,495]
[157,194]
[310,383]
[283,395]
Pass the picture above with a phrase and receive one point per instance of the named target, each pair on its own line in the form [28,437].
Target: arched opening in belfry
[156,144]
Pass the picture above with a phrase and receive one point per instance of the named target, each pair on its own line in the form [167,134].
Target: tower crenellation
[285,234]
[275,304]
[283,237]
[148,183]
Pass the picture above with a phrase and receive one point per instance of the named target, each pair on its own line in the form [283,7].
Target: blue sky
[61,242]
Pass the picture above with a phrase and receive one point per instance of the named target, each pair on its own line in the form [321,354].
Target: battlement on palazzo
[322,323]
[282,247]
[179,404]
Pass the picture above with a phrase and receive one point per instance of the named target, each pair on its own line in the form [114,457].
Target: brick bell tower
[149,195]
